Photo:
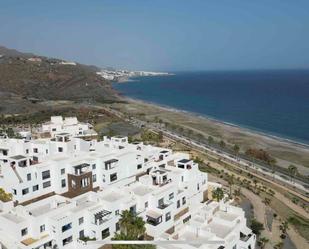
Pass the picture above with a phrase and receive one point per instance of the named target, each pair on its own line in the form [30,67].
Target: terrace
[81,168]
[153,218]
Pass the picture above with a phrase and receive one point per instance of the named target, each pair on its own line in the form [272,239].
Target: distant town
[124,75]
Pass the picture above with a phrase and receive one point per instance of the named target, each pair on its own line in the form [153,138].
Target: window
[93,166]
[42,228]
[81,234]
[146,204]
[35,188]
[94,178]
[117,227]
[46,184]
[168,216]
[117,212]
[27,151]
[45,174]
[24,231]
[35,150]
[178,204]
[63,183]
[60,149]
[25,191]
[29,177]
[14,192]
[54,129]
[182,178]
[113,177]
[139,166]
[171,196]
[161,202]
[66,227]
[62,171]
[80,220]
[184,200]
[67,240]
[198,187]
[46,151]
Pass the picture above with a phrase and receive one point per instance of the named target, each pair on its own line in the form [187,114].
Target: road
[297,186]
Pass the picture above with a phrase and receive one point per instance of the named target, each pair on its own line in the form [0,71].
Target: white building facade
[66,188]
[71,125]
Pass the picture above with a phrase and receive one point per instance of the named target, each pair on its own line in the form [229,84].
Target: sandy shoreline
[285,150]
[216,121]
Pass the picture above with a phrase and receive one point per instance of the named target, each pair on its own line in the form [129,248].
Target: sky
[164,35]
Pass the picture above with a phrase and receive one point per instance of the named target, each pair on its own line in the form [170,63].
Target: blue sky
[162,34]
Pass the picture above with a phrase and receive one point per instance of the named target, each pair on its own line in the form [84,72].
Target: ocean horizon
[272,102]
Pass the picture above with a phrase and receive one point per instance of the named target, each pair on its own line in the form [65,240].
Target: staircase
[17,175]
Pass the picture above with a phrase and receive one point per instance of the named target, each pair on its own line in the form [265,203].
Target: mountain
[27,77]
[14,53]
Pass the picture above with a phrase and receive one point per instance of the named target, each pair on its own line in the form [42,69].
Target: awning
[153,214]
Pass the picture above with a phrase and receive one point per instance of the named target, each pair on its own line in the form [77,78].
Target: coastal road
[297,186]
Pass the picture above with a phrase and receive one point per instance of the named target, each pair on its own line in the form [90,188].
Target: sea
[273,102]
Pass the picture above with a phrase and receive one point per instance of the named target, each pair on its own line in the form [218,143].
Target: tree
[237,193]
[222,144]
[236,149]
[256,227]
[255,183]
[218,194]
[279,245]
[5,196]
[210,139]
[160,136]
[267,201]
[262,242]
[132,227]
[283,227]
[292,171]
[230,181]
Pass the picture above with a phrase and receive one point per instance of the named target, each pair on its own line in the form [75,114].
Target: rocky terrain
[27,80]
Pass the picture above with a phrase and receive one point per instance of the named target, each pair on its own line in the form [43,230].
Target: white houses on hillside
[65,188]
[71,125]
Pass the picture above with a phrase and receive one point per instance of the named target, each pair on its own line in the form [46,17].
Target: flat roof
[13,217]
[142,190]
[112,196]
[220,230]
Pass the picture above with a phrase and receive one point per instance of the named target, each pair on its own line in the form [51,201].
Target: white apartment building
[66,188]
[71,125]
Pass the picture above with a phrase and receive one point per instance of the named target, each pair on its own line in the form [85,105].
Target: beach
[285,151]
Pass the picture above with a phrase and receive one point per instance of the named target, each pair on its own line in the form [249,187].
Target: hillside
[26,80]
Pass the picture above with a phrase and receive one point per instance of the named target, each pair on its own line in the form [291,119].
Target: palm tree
[262,242]
[279,245]
[284,226]
[237,193]
[236,149]
[210,139]
[255,183]
[292,170]
[222,144]
[230,181]
[267,201]
[218,194]
[125,221]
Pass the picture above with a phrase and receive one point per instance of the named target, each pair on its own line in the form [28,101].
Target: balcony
[153,218]
[110,164]
[81,169]
[164,205]
[101,217]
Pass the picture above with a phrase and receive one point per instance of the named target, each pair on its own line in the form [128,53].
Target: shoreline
[250,131]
